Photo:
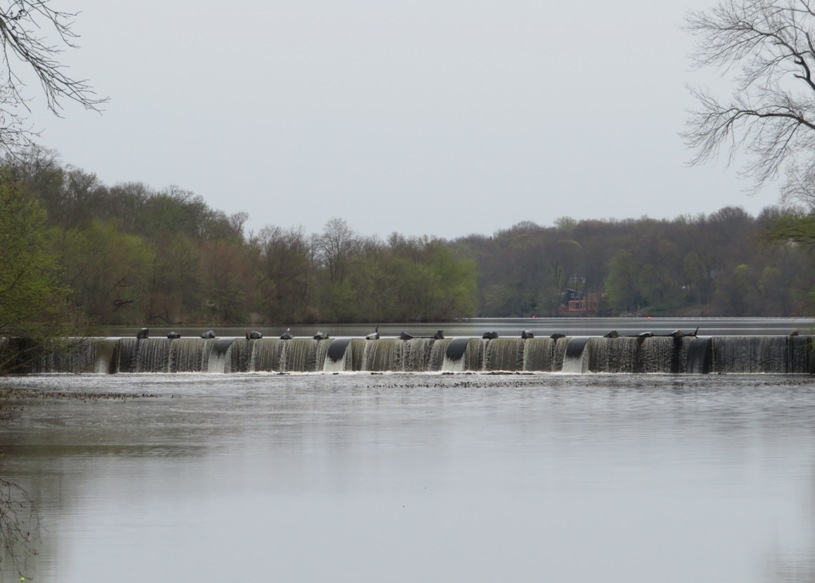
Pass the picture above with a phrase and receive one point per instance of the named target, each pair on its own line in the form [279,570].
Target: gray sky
[443,118]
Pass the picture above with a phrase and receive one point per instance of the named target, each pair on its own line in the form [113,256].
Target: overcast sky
[443,117]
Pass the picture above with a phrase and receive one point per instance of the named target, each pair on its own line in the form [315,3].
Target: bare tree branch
[25,27]
[19,525]
[766,47]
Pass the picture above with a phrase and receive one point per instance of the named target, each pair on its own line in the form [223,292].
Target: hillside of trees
[131,255]
[727,263]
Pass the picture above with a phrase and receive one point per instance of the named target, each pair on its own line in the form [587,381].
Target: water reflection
[790,560]
[420,477]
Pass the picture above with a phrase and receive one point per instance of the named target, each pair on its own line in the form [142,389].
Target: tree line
[131,255]
[77,252]
[727,263]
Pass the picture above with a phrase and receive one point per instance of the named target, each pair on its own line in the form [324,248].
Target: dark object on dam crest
[321,336]
[526,334]
[373,335]
[643,335]
[439,335]
[557,336]
[173,335]
[490,335]
[254,335]
[286,335]
[143,333]
[612,334]
[208,335]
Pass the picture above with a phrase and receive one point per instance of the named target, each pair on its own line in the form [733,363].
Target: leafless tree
[19,526]
[336,246]
[767,49]
[33,35]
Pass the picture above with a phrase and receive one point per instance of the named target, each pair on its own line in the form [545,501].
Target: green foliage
[407,280]
[226,278]
[134,256]
[109,272]
[792,226]
[176,288]
[683,267]
[32,297]
[623,283]
[452,283]
[285,273]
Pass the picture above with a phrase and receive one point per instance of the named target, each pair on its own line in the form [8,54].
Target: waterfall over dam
[576,354]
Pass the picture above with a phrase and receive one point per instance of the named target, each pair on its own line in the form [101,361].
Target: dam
[678,354]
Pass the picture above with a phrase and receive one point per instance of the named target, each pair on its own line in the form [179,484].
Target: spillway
[576,355]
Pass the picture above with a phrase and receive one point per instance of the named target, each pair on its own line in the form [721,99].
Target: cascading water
[539,354]
[573,360]
[219,359]
[634,355]
[299,355]
[454,360]
[380,355]
[504,354]
[417,355]
[75,355]
[267,354]
[339,356]
[143,355]
[751,354]
[190,354]
[240,355]
[699,355]
[474,354]
[579,354]
[438,353]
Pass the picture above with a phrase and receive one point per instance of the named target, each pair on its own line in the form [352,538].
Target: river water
[416,477]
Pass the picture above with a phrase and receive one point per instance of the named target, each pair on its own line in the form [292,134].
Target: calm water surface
[429,478]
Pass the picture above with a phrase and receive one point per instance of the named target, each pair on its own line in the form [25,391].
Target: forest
[79,253]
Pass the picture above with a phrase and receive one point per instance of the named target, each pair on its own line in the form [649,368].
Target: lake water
[417,477]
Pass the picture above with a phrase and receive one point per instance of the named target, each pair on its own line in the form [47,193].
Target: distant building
[578,302]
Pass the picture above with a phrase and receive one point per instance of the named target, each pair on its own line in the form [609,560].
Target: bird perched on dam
[439,335]
[286,335]
[373,335]
[320,335]
[527,334]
